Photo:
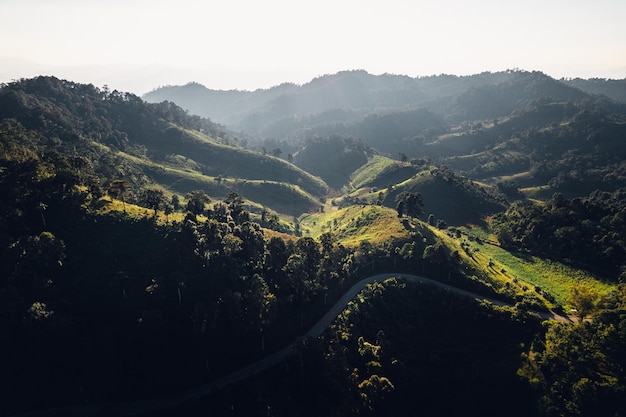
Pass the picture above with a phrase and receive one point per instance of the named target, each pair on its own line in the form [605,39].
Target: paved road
[154,404]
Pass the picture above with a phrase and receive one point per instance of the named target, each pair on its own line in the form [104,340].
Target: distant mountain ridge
[456,96]
[519,126]
[613,89]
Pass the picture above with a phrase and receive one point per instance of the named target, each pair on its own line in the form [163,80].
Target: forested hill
[614,89]
[119,135]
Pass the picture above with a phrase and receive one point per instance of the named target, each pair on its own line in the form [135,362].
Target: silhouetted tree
[152,198]
[411,203]
[196,201]
[175,202]
[120,189]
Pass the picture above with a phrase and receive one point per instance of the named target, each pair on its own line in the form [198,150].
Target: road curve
[158,403]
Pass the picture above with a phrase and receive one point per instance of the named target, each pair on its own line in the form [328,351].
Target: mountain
[458,98]
[526,128]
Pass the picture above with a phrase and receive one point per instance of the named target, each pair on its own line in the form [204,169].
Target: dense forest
[146,251]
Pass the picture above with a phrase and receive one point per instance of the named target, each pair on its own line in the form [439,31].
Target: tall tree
[583,298]
[411,203]
[235,204]
[121,190]
[152,198]
[196,202]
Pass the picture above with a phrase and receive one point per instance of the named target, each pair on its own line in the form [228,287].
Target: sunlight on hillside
[530,274]
[354,224]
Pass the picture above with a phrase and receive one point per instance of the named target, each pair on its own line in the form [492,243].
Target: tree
[196,201]
[400,208]
[411,203]
[175,203]
[583,298]
[414,203]
[235,205]
[152,198]
[221,213]
[326,241]
[38,259]
[277,152]
[435,254]
[120,189]
[168,209]
[579,370]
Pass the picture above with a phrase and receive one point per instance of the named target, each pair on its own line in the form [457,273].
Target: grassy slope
[376,166]
[181,174]
[381,171]
[376,224]
[506,272]
[353,224]
[522,271]
[109,205]
[444,198]
[217,159]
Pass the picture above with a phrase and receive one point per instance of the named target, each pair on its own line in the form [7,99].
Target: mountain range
[513,125]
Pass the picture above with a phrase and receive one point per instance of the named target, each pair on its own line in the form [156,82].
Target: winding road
[158,403]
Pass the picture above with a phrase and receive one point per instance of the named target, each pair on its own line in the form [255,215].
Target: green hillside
[355,224]
[121,136]
[448,197]
[381,171]
[334,158]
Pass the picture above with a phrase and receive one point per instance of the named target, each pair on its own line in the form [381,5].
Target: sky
[139,45]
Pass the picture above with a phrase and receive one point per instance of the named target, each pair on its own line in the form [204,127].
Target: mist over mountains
[487,94]
[486,126]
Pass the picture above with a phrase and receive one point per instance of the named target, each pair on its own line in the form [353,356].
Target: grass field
[532,272]
[376,166]
[353,224]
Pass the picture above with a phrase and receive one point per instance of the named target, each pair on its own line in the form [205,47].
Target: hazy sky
[137,45]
